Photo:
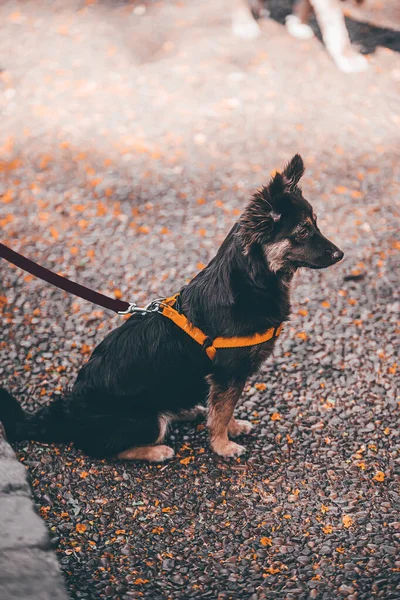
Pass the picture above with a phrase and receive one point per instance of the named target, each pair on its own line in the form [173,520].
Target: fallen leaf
[347,521]
[302,335]
[260,386]
[187,460]
[80,528]
[379,476]
[266,541]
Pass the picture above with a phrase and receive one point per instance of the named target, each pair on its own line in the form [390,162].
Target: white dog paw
[228,449]
[297,29]
[239,427]
[245,27]
[352,62]
[160,453]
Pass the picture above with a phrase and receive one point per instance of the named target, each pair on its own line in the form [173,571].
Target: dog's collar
[167,309]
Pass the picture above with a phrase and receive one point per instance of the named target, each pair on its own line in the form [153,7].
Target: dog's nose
[337,255]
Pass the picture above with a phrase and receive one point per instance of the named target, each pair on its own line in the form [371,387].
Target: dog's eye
[302,234]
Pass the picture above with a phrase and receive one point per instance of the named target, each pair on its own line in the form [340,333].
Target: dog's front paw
[239,427]
[244,26]
[297,29]
[351,62]
[160,453]
[228,449]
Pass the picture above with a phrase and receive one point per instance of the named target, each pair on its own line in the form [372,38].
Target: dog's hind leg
[297,22]
[152,453]
[333,27]
[243,23]
[149,453]
[135,438]
[222,401]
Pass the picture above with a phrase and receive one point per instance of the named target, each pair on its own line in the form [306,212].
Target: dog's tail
[48,424]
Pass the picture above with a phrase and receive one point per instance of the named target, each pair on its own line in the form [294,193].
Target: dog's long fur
[148,372]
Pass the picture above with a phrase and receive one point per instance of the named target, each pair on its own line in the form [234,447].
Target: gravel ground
[131,137]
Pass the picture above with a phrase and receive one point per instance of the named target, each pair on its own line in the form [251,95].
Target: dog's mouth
[309,265]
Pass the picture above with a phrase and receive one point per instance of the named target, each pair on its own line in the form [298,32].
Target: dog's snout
[336,254]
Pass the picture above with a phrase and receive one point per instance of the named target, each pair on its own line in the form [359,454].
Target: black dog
[149,372]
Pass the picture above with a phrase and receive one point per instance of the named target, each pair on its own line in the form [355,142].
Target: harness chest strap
[167,310]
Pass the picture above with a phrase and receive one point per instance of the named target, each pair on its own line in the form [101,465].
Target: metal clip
[133,308]
[130,310]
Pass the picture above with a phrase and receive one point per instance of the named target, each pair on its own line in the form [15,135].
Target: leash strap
[166,306]
[118,306]
[210,346]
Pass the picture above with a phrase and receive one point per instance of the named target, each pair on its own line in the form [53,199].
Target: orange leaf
[118,294]
[7,197]
[347,521]
[187,460]
[341,189]
[83,474]
[260,386]
[101,209]
[379,476]
[81,528]
[327,529]
[266,541]
[275,417]
[301,335]
[54,233]
[325,304]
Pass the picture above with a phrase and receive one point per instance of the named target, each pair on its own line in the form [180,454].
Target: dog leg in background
[243,23]
[336,38]
[297,23]
[222,401]
[191,414]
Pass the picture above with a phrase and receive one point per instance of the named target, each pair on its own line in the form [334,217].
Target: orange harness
[166,308]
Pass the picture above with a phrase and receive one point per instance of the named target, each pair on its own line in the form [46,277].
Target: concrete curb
[28,567]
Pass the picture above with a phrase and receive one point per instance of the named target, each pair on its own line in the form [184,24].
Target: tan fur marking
[149,453]
[163,422]
[222,402]
[275,254]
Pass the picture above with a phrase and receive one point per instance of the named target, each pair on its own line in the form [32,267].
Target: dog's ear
[293,172]
[259,220]
[288,179]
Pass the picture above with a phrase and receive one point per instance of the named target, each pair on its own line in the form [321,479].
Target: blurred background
[132,135]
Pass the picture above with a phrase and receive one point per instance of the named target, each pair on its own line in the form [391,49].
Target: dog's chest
[260,353]
[244,362]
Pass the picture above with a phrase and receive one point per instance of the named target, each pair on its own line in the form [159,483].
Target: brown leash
[165,306]
[118,306]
